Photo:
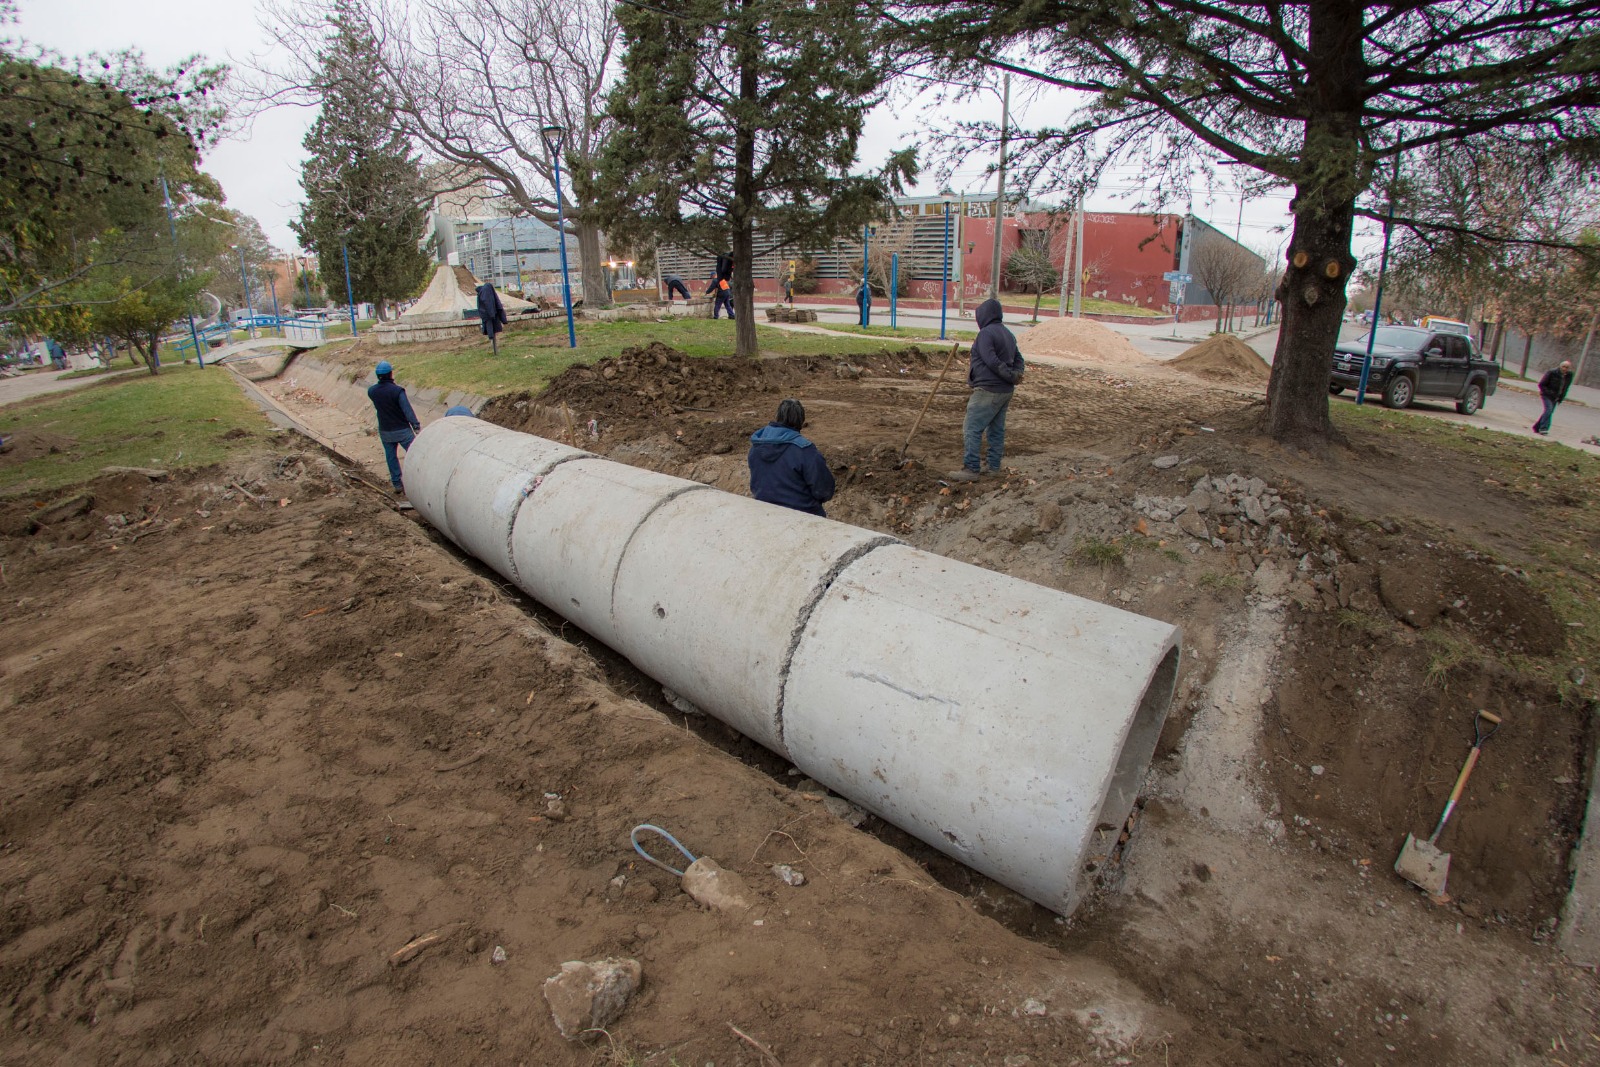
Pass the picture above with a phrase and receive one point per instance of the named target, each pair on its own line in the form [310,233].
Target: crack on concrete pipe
[657,506]
[810,606]
[527,491]
[1001,722]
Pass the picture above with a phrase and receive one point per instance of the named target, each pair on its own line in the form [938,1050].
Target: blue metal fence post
[944,277]
[349,291]
[1377,297]
[894,290]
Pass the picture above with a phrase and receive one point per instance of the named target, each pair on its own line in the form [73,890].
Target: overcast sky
[259,168]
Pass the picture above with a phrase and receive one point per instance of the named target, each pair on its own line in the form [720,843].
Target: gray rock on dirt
[591,996]
[1162,463]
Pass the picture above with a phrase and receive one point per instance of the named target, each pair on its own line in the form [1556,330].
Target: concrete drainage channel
[999,722]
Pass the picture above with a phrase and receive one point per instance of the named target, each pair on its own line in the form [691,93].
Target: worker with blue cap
[397,423]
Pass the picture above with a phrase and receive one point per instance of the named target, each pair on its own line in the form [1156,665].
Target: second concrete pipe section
[1006,724]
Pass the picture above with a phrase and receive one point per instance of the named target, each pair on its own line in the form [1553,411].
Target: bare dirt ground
[260,731]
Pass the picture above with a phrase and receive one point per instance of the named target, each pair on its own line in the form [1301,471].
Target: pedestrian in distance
[788,281]
[993,373]
[786,468]
[863,301]
[1553,390]
[675,285]
[397,423]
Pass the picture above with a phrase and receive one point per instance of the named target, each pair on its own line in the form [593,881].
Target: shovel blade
[1423,865]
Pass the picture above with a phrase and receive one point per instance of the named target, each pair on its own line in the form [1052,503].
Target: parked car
[1408,362]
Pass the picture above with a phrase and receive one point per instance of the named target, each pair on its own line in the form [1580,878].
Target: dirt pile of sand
[1224,358]
[1081,339]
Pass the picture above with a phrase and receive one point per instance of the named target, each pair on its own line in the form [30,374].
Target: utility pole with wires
[1000,193]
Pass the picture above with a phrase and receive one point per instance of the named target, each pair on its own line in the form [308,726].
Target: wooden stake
[572,430]
[929,402]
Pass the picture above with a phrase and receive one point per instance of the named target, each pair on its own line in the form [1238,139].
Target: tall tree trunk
[1313,296]
[595,292]
[147,356]
[1527,350]
[741,211]
[1319,266]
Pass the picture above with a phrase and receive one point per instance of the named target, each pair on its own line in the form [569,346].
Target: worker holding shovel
[995,371]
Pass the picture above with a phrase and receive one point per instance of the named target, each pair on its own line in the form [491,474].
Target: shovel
[1420,862]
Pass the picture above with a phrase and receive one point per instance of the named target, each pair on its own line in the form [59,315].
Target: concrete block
[999,721]
[711,595]
[571,534]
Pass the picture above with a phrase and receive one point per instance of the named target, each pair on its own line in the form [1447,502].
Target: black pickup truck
[1410,362]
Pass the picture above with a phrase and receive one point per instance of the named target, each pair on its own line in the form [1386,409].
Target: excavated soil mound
[1082,339]
[1224,358]
[24,445]
[655,380]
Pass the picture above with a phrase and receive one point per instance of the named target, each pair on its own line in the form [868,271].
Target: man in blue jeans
[995,370]
[1553,390]
[397,423]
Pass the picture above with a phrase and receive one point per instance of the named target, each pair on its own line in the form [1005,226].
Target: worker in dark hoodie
[785,468]
[397,423]
[996,368]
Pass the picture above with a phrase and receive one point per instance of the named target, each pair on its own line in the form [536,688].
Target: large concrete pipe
[1001,722]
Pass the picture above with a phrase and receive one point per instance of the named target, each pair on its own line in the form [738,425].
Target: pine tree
[734,116]
[363,182]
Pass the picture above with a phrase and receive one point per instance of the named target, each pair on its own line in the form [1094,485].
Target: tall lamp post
[172,228]
[944,276]
[552,143]
[349,290]
[1377,297]
[249,300]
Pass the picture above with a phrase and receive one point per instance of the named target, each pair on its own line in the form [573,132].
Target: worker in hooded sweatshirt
[397,423]
[996,368]
[785,468]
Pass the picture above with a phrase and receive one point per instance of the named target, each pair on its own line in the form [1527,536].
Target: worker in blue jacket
[397,423]
[785,468]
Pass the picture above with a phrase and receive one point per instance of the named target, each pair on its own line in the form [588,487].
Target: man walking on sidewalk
[397,423]
[1553,390]
[995,370]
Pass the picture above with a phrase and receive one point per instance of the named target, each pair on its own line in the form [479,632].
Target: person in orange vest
[721,292]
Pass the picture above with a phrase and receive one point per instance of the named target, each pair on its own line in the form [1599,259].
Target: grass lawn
[175,419]
[531,356]
[907,333]
[341,327]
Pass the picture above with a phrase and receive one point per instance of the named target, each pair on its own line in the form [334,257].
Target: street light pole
[172,228]
[349,290]
[552,142]
[866,276]
[249,301]
[1000,193]
[1377,297]
[944,277]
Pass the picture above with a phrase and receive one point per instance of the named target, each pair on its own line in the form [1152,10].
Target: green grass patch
[340,327]
[175,419]
[1446,652]
[1218,580]
[1098,551]
[909,333]
[531,356]
[88,372]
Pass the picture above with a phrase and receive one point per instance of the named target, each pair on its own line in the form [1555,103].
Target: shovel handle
[1455,794]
